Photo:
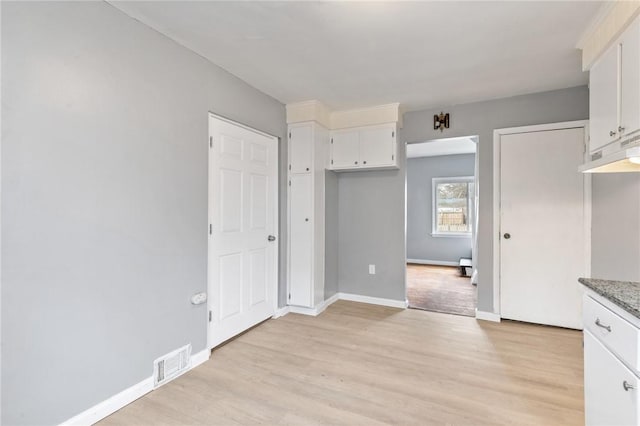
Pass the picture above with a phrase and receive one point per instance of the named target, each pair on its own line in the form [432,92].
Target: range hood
[623,161]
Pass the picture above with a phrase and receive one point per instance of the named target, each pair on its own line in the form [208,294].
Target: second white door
[243,173]
[542,227]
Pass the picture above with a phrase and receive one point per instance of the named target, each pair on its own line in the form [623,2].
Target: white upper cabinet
[614,91]
[345,149]
[377,146]
[361,148]
[630,80]
[603,100]
[301,148]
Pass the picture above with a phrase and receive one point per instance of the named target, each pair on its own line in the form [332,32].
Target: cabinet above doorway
[368,147]
[364,139]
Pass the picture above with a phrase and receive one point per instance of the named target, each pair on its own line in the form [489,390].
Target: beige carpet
[440,289]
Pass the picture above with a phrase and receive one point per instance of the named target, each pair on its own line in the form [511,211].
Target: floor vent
[171,365]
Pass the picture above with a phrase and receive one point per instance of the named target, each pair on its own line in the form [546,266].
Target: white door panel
[630,79]
[300,142]
[603,100]
[345,149]
[301,237]
[607,402]
[243,213]
[376,146]
[542,209]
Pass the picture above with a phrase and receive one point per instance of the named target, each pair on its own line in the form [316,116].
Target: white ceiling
[358,54]
[449,146]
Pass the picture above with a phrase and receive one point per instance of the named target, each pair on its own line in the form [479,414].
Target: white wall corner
[487,316]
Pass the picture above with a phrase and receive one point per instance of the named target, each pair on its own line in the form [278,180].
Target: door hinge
[393,134]
[210,229]
[210,141]
[393,157]
[210,316]
[331,161]
[289,296]
[289,183]
[331,140]
[289,135]
[289,166]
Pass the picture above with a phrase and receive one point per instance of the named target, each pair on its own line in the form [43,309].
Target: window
[452,206]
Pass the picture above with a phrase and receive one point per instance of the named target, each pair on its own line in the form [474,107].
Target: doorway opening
[441,223]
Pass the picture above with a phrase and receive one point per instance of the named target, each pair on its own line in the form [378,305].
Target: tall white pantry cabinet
[308,152]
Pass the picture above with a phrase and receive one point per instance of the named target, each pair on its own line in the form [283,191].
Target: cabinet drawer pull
[606,327]
[627,386]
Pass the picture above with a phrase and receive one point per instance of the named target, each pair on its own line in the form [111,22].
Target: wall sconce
[441,121]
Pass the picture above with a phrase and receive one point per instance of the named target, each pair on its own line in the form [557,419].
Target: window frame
[434,206]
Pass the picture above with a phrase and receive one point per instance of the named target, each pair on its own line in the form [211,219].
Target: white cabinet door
[300,239]
[376,146]
[603,100]
[345,149]
[630,79]
[300,148]
[609,399]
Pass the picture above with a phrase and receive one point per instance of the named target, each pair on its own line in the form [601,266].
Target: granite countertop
[625,294]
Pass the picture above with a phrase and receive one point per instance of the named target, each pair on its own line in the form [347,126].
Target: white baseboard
[433,262]
[126,397]
[317,310]
[280,312]
[374,300]
[487,316]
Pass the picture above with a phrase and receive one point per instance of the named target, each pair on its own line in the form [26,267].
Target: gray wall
[104,201]
[421,245]
[615,229]
[372,205]
[331,234]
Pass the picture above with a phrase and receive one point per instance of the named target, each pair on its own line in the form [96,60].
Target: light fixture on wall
[441,121]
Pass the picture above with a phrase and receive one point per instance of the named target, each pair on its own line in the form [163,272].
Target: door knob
[507,235]
[612,133]
[620,129]
[271,238]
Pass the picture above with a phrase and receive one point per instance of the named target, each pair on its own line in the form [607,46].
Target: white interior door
[542,227]
[243,171]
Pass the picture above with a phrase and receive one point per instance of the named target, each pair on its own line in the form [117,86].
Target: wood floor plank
[359,364]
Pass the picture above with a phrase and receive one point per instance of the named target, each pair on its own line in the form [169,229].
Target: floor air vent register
[171,365]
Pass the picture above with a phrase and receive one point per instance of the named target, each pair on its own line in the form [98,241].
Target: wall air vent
[171,365]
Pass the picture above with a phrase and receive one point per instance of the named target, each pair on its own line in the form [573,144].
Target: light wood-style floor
[359,364]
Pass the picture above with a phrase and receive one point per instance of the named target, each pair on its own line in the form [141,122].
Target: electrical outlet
[372,269]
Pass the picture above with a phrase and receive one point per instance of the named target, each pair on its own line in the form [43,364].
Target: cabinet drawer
[610,388]
[616,333]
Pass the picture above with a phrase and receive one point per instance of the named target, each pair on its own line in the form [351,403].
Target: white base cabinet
[308,151]
[611,377]
[611,389]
